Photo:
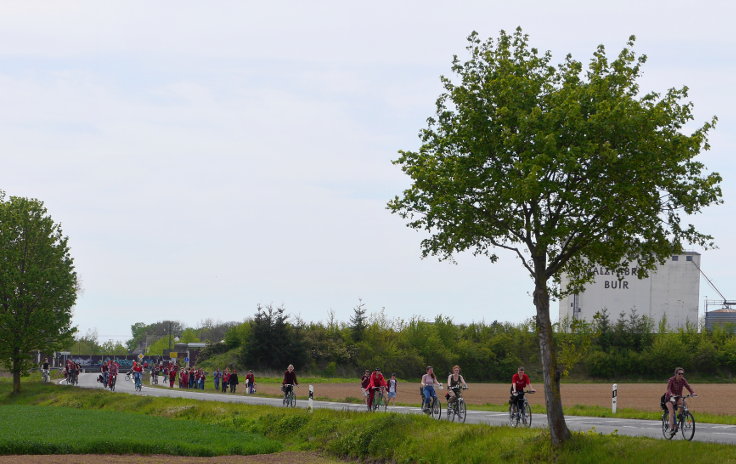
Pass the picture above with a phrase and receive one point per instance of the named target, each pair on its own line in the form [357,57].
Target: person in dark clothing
[233,381]
[289,380]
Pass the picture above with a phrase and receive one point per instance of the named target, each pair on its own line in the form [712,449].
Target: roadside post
[614,397]
[310,401]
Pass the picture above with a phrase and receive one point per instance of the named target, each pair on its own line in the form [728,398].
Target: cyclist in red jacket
[376,381]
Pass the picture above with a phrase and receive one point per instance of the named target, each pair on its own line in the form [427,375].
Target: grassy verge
[380,437]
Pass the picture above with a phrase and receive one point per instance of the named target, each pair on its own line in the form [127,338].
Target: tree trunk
[16,376]
[555,418]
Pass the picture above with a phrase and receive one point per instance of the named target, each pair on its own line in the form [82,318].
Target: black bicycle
[456,409]
[289,397]
[684,421]
[524,416]
[435,406]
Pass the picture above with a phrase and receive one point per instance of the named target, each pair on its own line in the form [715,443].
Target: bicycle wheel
[450,412]
[513,416]
[292,400]
[460,410]
[527,416]
[666,425]
[436,409]
[687,426]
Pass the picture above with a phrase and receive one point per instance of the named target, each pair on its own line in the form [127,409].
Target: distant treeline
[630,347]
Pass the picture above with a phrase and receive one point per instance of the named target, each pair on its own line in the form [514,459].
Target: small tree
[38,285]
[563,167]
[358,321]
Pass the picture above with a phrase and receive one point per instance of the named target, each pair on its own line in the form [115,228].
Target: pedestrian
[233,381]
[172,377]
[216,375]
[393,387]
[225,380]
[250,381]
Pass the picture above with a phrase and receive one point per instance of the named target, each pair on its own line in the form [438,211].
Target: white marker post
[614,397]
[310,401]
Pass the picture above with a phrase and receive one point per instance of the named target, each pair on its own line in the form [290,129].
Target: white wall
[673,290]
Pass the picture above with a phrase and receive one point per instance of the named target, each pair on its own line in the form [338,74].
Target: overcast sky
[204,157]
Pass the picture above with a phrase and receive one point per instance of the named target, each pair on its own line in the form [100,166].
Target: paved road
[644,428]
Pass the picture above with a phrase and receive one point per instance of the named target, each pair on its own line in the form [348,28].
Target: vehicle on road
[289,397]
[379,402]
[524,416]
[456,409]
[684,421]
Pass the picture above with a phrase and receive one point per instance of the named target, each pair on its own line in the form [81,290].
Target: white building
[672,291]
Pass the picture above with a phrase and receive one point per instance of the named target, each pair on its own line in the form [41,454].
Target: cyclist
[393,388]
[519,382]
[113,370]
[45,369]
[429,380]
[137,372]
[454,380]
[376,381]
[673,395]
[289,381]
[105,374]
[364,381]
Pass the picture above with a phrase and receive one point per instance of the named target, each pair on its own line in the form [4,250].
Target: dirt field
[713,398]
[276,458]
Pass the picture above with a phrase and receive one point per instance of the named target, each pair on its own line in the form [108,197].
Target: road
[717,433]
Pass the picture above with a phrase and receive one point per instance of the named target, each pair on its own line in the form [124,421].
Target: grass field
[375,437]
[64,430]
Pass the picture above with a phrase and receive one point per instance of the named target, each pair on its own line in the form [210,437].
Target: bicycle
[684,420]
[45,376]
[456,409]
[435,406]
[378,401]
[289,397]
[113,379]
[525,416]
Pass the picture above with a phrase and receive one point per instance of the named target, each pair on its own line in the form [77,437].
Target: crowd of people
[372,381]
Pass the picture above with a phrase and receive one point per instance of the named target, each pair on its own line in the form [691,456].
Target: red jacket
[377,380]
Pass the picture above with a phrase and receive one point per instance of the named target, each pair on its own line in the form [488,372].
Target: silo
[721,316]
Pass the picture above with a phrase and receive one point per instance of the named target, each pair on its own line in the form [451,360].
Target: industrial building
[672,291]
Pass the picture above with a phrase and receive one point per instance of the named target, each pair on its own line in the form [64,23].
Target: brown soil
[276,458]
[713,398]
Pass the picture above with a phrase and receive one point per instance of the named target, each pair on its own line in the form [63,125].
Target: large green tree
[563,165]
[38,284]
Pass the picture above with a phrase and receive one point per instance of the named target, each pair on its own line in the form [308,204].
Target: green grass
[377,437]
[64,430]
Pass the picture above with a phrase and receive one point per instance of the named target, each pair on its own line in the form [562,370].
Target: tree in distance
[38,285]
[562,165]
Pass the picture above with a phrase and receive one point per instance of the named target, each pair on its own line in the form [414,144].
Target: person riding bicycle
[105,374]
[429,380]
[376,381]
[454,382]
[673,395]
[112,368]
[137,372]
[287,385]
[519,382]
